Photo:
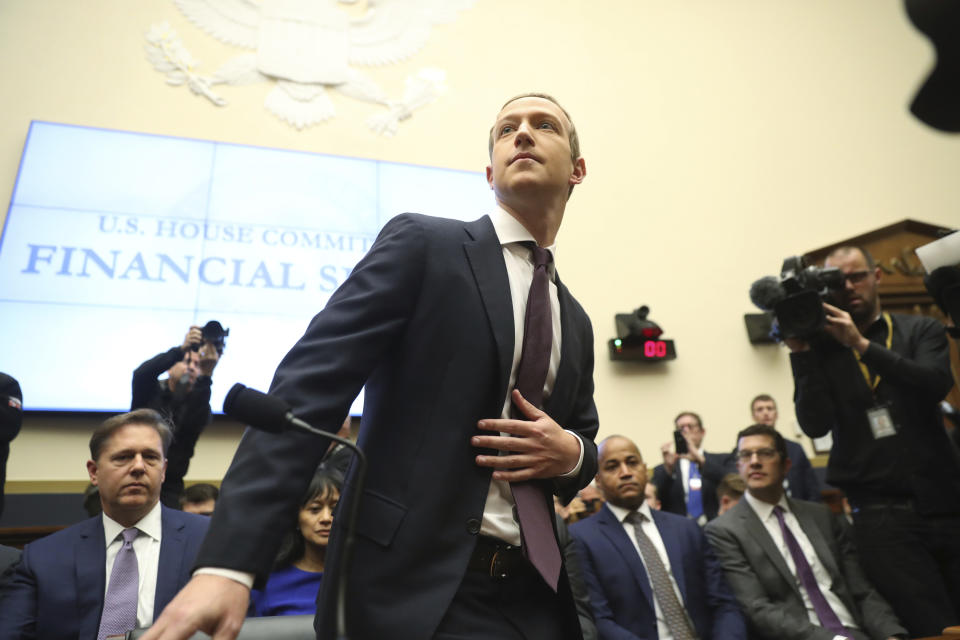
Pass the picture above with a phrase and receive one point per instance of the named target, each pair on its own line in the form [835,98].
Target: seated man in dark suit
[792,566]
[650,574]
[61,587]
[687,482]
[801,481]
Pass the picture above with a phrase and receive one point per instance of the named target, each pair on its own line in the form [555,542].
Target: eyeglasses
[764,454]
[856,277]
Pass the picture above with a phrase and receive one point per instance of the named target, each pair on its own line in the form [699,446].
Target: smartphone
[679,442]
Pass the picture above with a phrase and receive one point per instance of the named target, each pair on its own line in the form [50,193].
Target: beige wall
[720,137]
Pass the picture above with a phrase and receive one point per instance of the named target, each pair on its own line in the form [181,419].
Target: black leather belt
[496,558]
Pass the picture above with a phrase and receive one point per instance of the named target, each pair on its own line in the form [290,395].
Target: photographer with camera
[874,379]
[183,397]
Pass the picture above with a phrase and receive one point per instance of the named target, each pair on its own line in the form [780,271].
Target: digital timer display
[642,349]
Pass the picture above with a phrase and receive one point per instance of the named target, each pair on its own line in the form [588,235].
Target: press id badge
[695,484]
[881,423]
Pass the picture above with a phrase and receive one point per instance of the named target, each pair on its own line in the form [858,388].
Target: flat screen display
[116,242]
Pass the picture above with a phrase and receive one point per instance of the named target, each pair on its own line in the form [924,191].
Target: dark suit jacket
[768,591]
[670,486]
[57,590]
[9,559]
[620,589]
[801,477]
[578,585]
[426,322]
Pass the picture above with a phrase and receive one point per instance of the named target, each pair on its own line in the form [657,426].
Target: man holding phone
[688,478]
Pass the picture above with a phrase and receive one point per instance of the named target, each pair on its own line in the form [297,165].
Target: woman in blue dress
[291,588]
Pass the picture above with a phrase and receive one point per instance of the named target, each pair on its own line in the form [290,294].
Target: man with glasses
[789,562]
[875,380]
[801,482]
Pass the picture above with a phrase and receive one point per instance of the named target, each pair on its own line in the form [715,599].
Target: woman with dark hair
[292,587]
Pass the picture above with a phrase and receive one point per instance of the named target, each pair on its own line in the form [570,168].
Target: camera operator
[183,397]
[875,380]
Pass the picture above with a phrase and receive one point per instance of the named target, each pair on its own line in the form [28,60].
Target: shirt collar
[877,325]
[509,230]
[622,513]
[764,509]
[149,524]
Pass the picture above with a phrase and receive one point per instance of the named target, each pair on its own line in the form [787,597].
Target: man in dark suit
[622,559]
[801,482]
[687,482]
[790,563]
[432,321]
[60,587]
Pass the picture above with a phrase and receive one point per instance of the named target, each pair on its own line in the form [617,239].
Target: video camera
[796,297]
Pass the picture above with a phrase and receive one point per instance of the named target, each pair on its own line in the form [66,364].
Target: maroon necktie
[821,607]
[536,522]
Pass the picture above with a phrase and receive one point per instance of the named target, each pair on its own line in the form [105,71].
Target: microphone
[269,413]
[767,292]
[257,409]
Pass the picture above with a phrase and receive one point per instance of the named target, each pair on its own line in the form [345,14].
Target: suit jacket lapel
[90,558]
[564,387]
[613,530]
[751,522]
[171,559]
[490,273]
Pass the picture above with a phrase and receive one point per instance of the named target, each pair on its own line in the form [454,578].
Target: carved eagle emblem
[306,48]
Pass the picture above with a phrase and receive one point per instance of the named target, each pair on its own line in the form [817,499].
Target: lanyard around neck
[873,382]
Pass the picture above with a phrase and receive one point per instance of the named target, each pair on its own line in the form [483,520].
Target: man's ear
[490,176]
[579,171]
[92,470]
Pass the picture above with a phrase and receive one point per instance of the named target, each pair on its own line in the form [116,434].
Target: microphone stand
[353,511]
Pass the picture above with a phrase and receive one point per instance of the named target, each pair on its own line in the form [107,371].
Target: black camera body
[214,333]
[796,297]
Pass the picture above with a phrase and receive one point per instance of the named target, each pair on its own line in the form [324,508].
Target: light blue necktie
[120,604]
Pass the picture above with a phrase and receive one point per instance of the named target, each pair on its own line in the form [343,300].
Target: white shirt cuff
[244,578]
[576,469]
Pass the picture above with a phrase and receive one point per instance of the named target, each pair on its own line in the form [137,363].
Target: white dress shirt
[498,520]
[146,546]
[651,531]
[764,511]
